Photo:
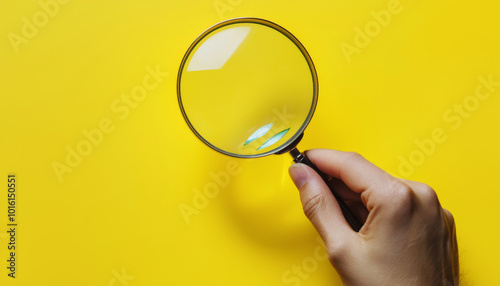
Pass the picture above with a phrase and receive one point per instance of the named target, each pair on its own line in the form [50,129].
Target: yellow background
[118,210]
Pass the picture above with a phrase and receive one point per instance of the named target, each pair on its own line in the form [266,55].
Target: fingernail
[298,174]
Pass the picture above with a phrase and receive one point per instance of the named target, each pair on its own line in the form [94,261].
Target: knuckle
[449,218]
[428,195]
[402,192]
[313,206]
[403,197]
[429,202]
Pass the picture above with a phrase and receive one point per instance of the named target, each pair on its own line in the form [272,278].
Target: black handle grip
[353,221]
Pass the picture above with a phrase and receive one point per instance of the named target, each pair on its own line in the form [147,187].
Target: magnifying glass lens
[246,89]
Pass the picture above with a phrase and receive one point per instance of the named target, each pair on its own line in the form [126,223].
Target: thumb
[320,206]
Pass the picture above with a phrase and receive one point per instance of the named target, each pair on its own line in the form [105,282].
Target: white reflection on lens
[217,49]
[259,133]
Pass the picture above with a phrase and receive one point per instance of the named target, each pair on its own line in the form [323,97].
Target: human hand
[407,237]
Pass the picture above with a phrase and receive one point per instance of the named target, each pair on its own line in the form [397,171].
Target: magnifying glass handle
[353,221]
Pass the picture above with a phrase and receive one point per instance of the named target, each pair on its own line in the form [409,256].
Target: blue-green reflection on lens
[273,139]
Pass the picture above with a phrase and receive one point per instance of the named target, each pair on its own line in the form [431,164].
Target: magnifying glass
[248,88]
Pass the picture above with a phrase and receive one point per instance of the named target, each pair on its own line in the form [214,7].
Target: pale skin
[407,237]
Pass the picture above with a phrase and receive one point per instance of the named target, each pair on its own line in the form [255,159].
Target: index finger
[353,169]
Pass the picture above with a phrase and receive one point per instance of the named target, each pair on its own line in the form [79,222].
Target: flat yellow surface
[114,189]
